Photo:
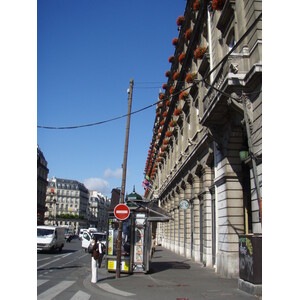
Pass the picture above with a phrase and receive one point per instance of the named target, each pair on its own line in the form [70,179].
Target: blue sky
[87,52]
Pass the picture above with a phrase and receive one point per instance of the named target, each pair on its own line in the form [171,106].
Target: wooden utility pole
[124,166]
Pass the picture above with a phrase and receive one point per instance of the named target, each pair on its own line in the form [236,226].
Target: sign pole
[119,240]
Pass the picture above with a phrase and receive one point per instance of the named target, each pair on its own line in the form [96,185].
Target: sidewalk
[172,277]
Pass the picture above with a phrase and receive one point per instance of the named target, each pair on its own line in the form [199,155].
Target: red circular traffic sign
[121,212]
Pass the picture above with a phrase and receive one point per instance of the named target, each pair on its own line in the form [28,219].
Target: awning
[156,213]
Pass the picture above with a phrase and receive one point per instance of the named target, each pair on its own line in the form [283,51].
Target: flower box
[196,5]
[183,95]
[168,74]
[165,86]
[199,52]
[188,34]
[172,90]
[177,111]
[217,4]
[175,41]
[190,77]
[176,75]
[180,20]
[161,96]
[171,59]
[173,123]
[169,133]
[181,57]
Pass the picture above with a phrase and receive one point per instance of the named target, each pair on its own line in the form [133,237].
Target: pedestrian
[101,249]
[95,254]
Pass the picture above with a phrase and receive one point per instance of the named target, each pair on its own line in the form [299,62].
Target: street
[63,275]
[67,275]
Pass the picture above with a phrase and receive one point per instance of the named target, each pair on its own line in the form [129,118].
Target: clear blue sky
[87,52]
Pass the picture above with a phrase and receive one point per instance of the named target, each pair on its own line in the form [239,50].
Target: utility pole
[253,159]
[119,239]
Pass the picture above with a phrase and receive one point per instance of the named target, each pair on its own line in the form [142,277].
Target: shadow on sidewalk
[156,267]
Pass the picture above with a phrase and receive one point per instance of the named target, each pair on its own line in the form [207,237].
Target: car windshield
[45,232]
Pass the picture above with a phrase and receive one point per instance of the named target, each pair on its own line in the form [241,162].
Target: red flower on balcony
[165,86]
[188,34]
[190,77]
[168,102]
[171,59]
[177,111]
[183,95]
[180,20]
[172,90]
[165,113]
[165,142]
[196,5]
[181,57]
[176,75]
[175,41]
[199,52]
[169,133]
[172,123]
[217,4]
[162,122]
[161,96]
[160,105]
[168,74]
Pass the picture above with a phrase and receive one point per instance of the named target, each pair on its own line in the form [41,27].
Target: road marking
[43,259]
[110,289]
[55,290]
[50,262]
[80,295]
[41,281]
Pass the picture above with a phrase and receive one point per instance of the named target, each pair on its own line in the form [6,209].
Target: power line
[153,104]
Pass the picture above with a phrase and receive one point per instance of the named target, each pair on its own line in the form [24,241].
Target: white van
[50,238]
[86,239]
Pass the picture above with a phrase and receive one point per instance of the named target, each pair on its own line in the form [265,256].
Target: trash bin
[250,258]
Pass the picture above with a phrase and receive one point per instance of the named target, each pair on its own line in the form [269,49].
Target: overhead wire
[153,104]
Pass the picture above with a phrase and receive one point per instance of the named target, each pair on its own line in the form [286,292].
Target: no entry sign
[121,212]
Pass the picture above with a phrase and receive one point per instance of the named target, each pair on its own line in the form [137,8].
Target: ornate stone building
[42,174]
[206,146]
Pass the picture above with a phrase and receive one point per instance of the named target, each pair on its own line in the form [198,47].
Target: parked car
[50,238]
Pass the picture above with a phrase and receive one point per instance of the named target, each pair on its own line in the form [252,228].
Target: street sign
[183,204]
[121,212]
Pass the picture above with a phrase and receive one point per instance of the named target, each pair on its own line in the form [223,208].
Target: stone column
[181,225]
[176,223]
[196,237]
[188,225]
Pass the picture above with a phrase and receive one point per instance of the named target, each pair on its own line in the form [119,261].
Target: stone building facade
[207,136]
[67,203]
[42,174]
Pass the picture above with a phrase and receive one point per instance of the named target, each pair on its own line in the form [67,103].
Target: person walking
[96,253]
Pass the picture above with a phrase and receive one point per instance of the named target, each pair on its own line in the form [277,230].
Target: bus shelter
[136,237]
